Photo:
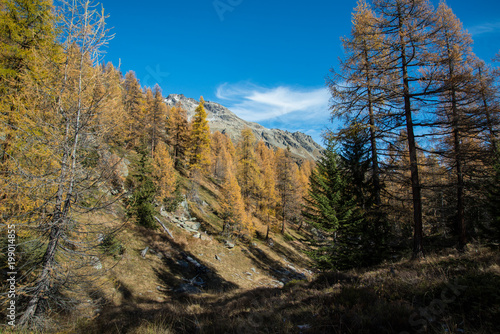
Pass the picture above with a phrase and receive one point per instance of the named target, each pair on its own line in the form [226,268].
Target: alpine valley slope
[224,120]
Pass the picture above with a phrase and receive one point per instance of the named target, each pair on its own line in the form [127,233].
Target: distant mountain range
[224,120]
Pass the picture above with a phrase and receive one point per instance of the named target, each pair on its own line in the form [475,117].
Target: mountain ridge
[224,120]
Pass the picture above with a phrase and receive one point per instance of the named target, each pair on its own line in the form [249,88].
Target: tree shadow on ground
[181,267]
[290,255]
[332,303]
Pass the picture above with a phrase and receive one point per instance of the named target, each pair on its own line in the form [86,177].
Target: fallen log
[165,228]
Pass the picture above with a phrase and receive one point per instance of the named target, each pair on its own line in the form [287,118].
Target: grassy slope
[242,294]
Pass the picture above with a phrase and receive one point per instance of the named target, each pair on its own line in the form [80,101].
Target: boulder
[188,289]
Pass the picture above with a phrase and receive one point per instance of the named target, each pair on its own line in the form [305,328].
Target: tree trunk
[418,250]
[373,142]
[462,233]
[43,283]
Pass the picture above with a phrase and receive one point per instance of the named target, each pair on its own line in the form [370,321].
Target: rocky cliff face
[222,119]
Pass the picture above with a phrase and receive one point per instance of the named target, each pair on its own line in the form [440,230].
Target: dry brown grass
[240,295]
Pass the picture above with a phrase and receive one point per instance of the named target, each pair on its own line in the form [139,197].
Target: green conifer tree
[141,183]
[331,208]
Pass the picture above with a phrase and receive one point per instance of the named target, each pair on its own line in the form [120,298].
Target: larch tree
[199,144]
[157,117]
[246,166]
[134,104]
[164,175]
[267,194]
[62,121]
[232,212]
[408,28]
[455,77]
[26,26]
[357,92]
[487,105]
[222,155]
[145,121]
[287,187]
[26,31]
[116,118]
[177,135]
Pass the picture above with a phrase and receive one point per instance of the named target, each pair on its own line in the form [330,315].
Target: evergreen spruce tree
[355,161]
[141,204]
[330,208]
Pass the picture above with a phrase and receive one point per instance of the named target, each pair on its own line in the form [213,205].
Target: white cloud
[284,107]
[255,103]
[484,28]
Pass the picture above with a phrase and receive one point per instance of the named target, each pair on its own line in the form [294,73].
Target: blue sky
[265,60]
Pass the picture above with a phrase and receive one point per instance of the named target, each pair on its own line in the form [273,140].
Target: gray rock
[144,252]
[96,263]
[188,289]
[278,283]
[197,281]
[193,226]
[193,261]
[217,257]
[300,276]
[183,264]
[229,244]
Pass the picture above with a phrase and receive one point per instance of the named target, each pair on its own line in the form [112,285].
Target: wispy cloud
[484,28]
[256,103]
[285,107]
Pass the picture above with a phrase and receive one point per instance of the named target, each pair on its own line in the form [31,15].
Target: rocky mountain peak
[224,120]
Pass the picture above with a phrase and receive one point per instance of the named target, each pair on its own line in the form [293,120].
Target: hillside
[224,120]
[192,280]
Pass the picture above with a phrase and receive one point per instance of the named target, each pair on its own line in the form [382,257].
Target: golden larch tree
[199,150]
[246,166]
[164,175]
[267,194]
[177,134]
[232,211]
